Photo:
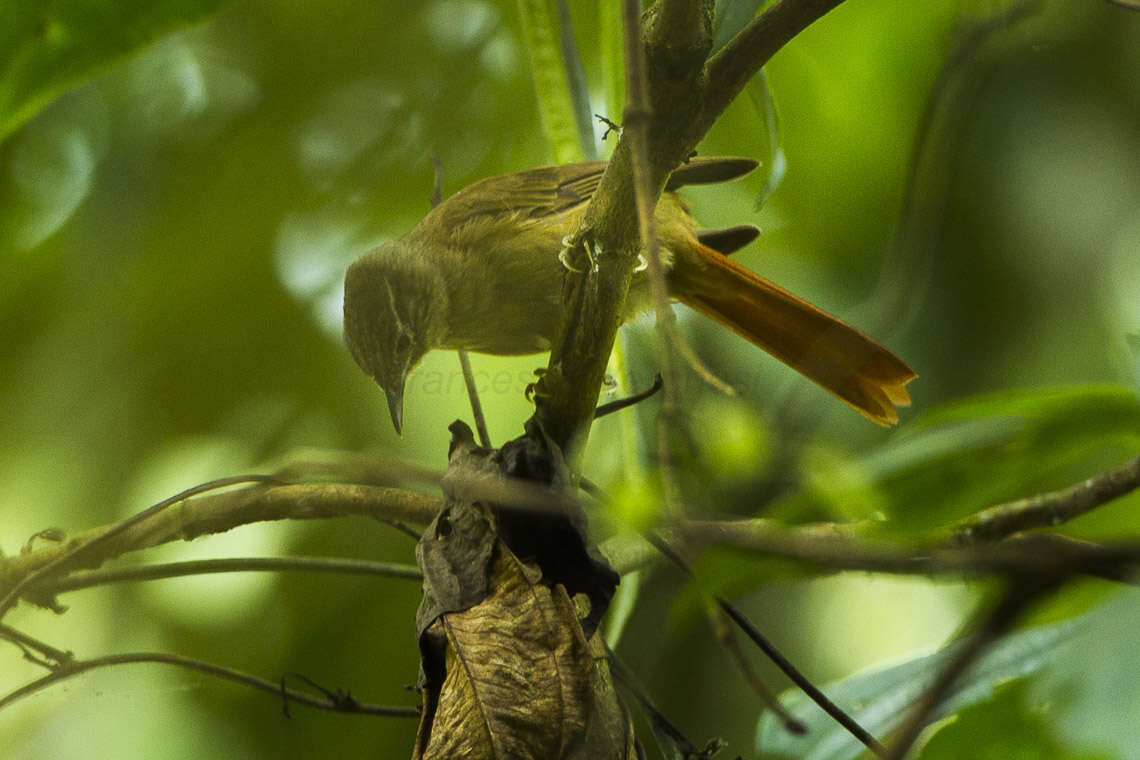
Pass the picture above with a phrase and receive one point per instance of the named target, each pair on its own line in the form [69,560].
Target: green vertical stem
[555,101]
[576,82]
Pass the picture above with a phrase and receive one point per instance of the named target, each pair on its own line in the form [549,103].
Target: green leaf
[969,455]
[878,698]
[555,99]
[1011,726]
[46,48]
[760,92]
[1094,684]
[1080,406]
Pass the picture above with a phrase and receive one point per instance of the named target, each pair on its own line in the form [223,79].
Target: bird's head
[395,311]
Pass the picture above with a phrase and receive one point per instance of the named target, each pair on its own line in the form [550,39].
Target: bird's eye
[403,343]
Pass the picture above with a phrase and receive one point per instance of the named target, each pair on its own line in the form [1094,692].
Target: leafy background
[174,225]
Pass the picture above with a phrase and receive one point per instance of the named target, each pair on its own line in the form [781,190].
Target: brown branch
[829,547]
[230,565]
[77,551]
[73,668]
[674,51]
[473,397]
[832,550]
[215,513]
[687,93]
[730,70]
[813,692]
[1047,509]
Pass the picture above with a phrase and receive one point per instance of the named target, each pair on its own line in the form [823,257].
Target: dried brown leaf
[519,678]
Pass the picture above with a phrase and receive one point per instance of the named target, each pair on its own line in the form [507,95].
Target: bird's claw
[593,251]
[531,391]
[564,254]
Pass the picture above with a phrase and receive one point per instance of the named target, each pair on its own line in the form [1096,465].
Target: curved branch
[824,548]
[231,565]
[730,70]
[76,667]
[216,513]
[75,550]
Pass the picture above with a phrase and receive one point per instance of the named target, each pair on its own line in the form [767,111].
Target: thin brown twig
[661,722]
[813,692]
[820,547]
[473,397]
[722,631]
[623,403]
[636,131]
[805,685]
[75,550]
[218,513]
[365,468]
[230,565]
[983,543]
[686,351]
[464,360]
[26,642]
[76,667]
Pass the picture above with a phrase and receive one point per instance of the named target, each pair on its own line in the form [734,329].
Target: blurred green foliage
[174,227]
[46,49]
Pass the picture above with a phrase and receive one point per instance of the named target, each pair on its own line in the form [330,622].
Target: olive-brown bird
[482,271]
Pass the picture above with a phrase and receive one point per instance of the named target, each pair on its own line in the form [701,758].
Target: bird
[483,271]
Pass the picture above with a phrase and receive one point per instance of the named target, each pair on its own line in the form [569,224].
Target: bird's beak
[396,405]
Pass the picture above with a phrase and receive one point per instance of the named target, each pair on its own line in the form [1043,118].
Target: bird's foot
[564,254]
[593,252]
[532,390]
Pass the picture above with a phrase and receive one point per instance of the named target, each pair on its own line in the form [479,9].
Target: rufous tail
[819,346]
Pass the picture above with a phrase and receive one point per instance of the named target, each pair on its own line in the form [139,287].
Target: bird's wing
[530,194]
[553,190]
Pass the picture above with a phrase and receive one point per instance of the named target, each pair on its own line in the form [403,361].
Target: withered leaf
[519,679]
